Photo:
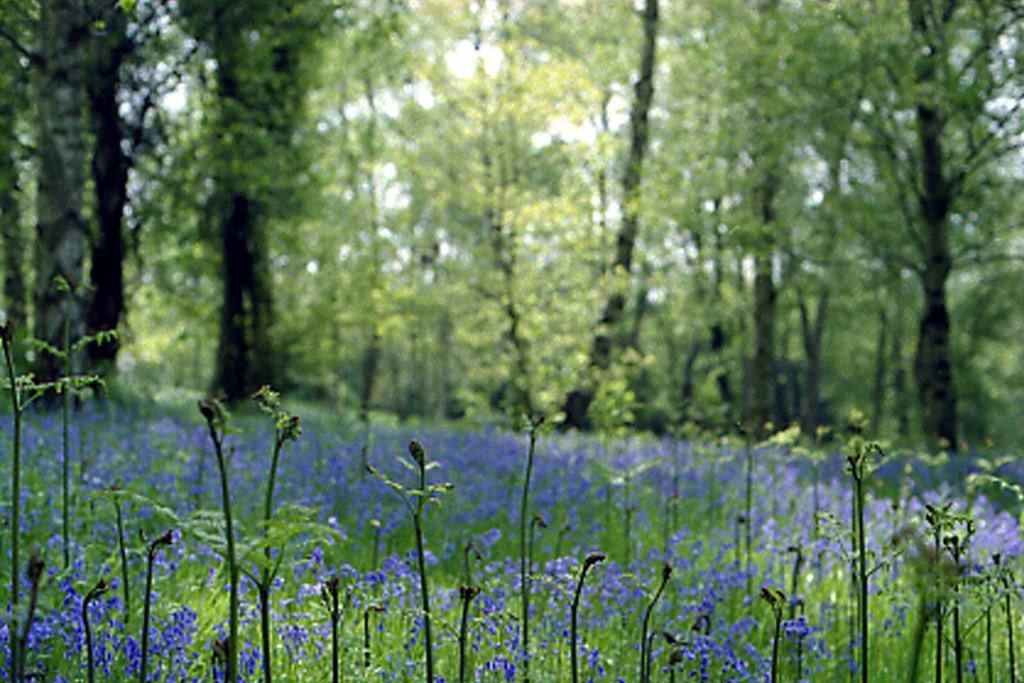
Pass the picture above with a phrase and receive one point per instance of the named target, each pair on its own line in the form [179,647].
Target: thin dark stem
[776,637]
[263,592]
[988,644]
[16,409]
[428,640]
[589,562]
[938,608]
[466,594]
[748,511]
[98,590]
[335,650]
[268,503]
[329,595]
[524,577]
[35,575]
[126,587]
[862,577]
[1009,633]
[267,577]
[151,552]
[365,449]
[645,672]
[366,638]
[65,476]
[415,501]
[958,644]
[335,663]
[213,414]
[146,597]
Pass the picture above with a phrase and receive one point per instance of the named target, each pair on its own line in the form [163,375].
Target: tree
[130,67]
[258,174]
[61,228]
[13,90]
[578,401]
[945,108]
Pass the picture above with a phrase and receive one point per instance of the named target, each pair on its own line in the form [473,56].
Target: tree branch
[33,57]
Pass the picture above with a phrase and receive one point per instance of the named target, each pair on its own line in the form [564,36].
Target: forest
[715,302]
[713,213]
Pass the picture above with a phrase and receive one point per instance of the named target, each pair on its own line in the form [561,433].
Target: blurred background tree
[712,211]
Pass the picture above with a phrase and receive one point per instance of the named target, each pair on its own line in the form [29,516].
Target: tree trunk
[878,395]
[250,116]
[812,332]
[899,384]
[686,386]
[15,290]
[243,362]
[933,363]
[578,401]
[61,231]
[110,166]
[717,333]
[762,369]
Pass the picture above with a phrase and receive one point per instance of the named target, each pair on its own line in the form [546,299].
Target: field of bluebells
[662,559]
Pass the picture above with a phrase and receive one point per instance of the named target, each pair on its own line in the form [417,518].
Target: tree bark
[61,231]
[933,364]
[578,401]
[257,115]
[762,369]
[243,362]
[812,329]
[899,384]
[878,394]
[718,338]
[14,241]
[110,166]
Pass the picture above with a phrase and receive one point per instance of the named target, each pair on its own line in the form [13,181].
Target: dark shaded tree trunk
[933,364]
[812,328]
[61,231]
[243,354]
[718,338]
[762,368]
[762,374]
[878,393]
[687,383]
[446,407]
[368,367]
[11,230]
[899,385]
[110,166]
[578,401]
[257,118]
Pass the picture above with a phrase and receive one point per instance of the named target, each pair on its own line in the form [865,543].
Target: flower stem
[216,418]
[590,561]
[466,595]
[151,552]
[126,588]
[645,664]
[16,408]
[65,474]
[524,577]
[99,589]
